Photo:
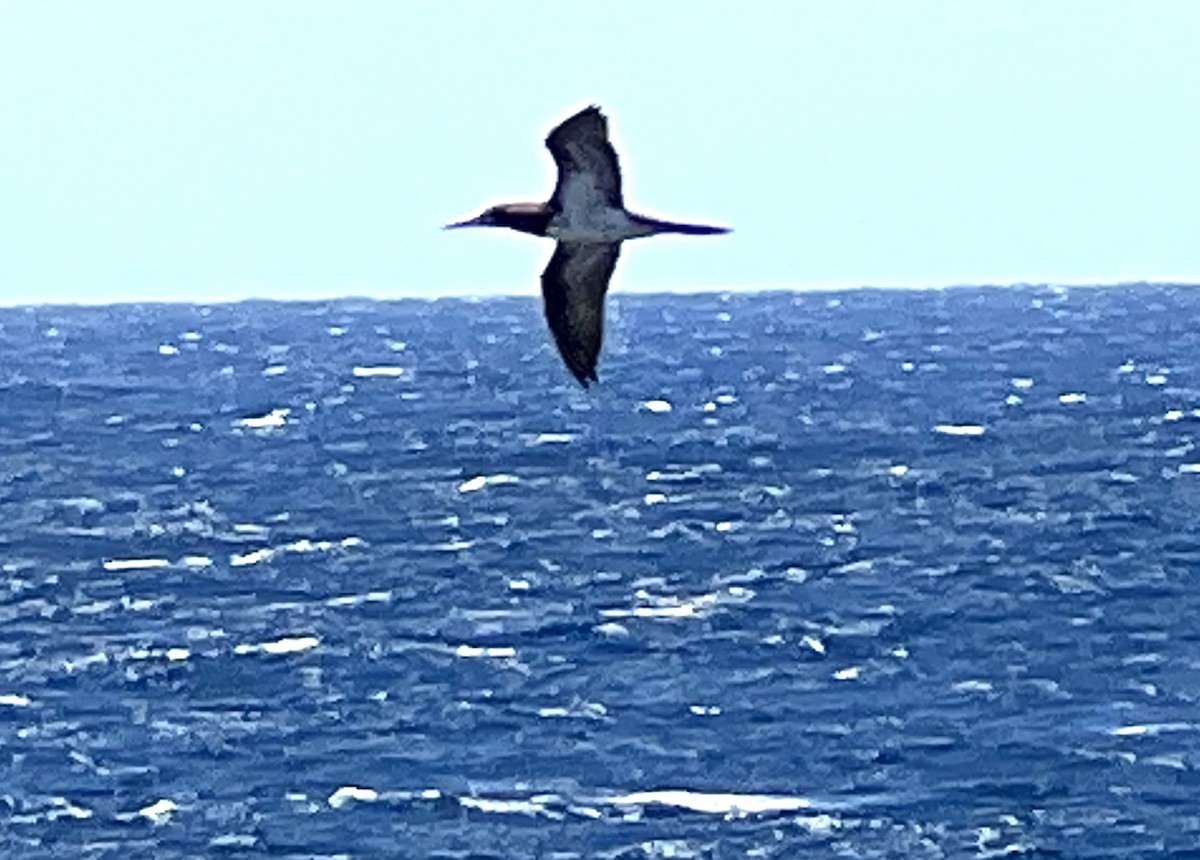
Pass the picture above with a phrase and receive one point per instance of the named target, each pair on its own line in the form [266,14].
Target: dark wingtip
[593,110]
[699,230]
[584,377]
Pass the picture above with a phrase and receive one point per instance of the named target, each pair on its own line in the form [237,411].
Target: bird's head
[491,217]
[525,217]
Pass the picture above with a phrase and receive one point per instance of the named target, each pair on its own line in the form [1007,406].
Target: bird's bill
[470,222]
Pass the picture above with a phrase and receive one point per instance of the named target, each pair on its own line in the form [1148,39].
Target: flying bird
[587,218]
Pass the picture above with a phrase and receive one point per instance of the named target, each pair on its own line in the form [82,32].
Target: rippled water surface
[870,574]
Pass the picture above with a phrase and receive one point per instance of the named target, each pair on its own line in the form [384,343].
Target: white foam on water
[495,651]
[253,557]
[287,645]
[959,429]
[550,439]
[714,803]
[347,793]
[377,371]
[268,421]
[510,806]
[158,812]
[1152,729]
[472,485]
[135,563]
[359,599]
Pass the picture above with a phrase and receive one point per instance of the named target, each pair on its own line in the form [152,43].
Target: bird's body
[586,216]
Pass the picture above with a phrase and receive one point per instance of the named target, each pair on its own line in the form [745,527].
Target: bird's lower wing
[573,289]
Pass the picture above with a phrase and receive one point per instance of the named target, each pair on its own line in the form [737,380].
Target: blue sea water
[861,574]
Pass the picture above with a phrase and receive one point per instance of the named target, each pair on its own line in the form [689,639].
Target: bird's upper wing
[573,288]
[588,171]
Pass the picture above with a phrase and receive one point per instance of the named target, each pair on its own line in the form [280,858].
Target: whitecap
[814,643]
[385,371]
[249,558]
[972,686]
[582,710]
[359,599]
[550,439]
[267,421]
[135,563]
[672,606]
[685,610]
[159,812]
[1151,729]
[83,504]
[347,793]
[959,429]
[287,645]
[714,803]
[509,806]
[480,481]
[233,840]
[496,651]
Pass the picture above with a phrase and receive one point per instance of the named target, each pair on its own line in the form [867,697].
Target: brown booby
[586,216]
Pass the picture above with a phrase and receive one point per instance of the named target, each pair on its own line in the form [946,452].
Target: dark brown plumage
[586,214]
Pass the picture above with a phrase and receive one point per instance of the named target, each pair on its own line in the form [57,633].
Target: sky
[292,149]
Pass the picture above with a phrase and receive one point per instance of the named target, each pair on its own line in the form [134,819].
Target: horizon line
[707,289]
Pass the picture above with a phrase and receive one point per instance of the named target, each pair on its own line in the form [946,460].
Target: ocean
[865,574]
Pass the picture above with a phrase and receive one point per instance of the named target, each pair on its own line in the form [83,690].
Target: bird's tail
[676,227]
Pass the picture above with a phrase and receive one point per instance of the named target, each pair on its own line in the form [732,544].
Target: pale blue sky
[291,149]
